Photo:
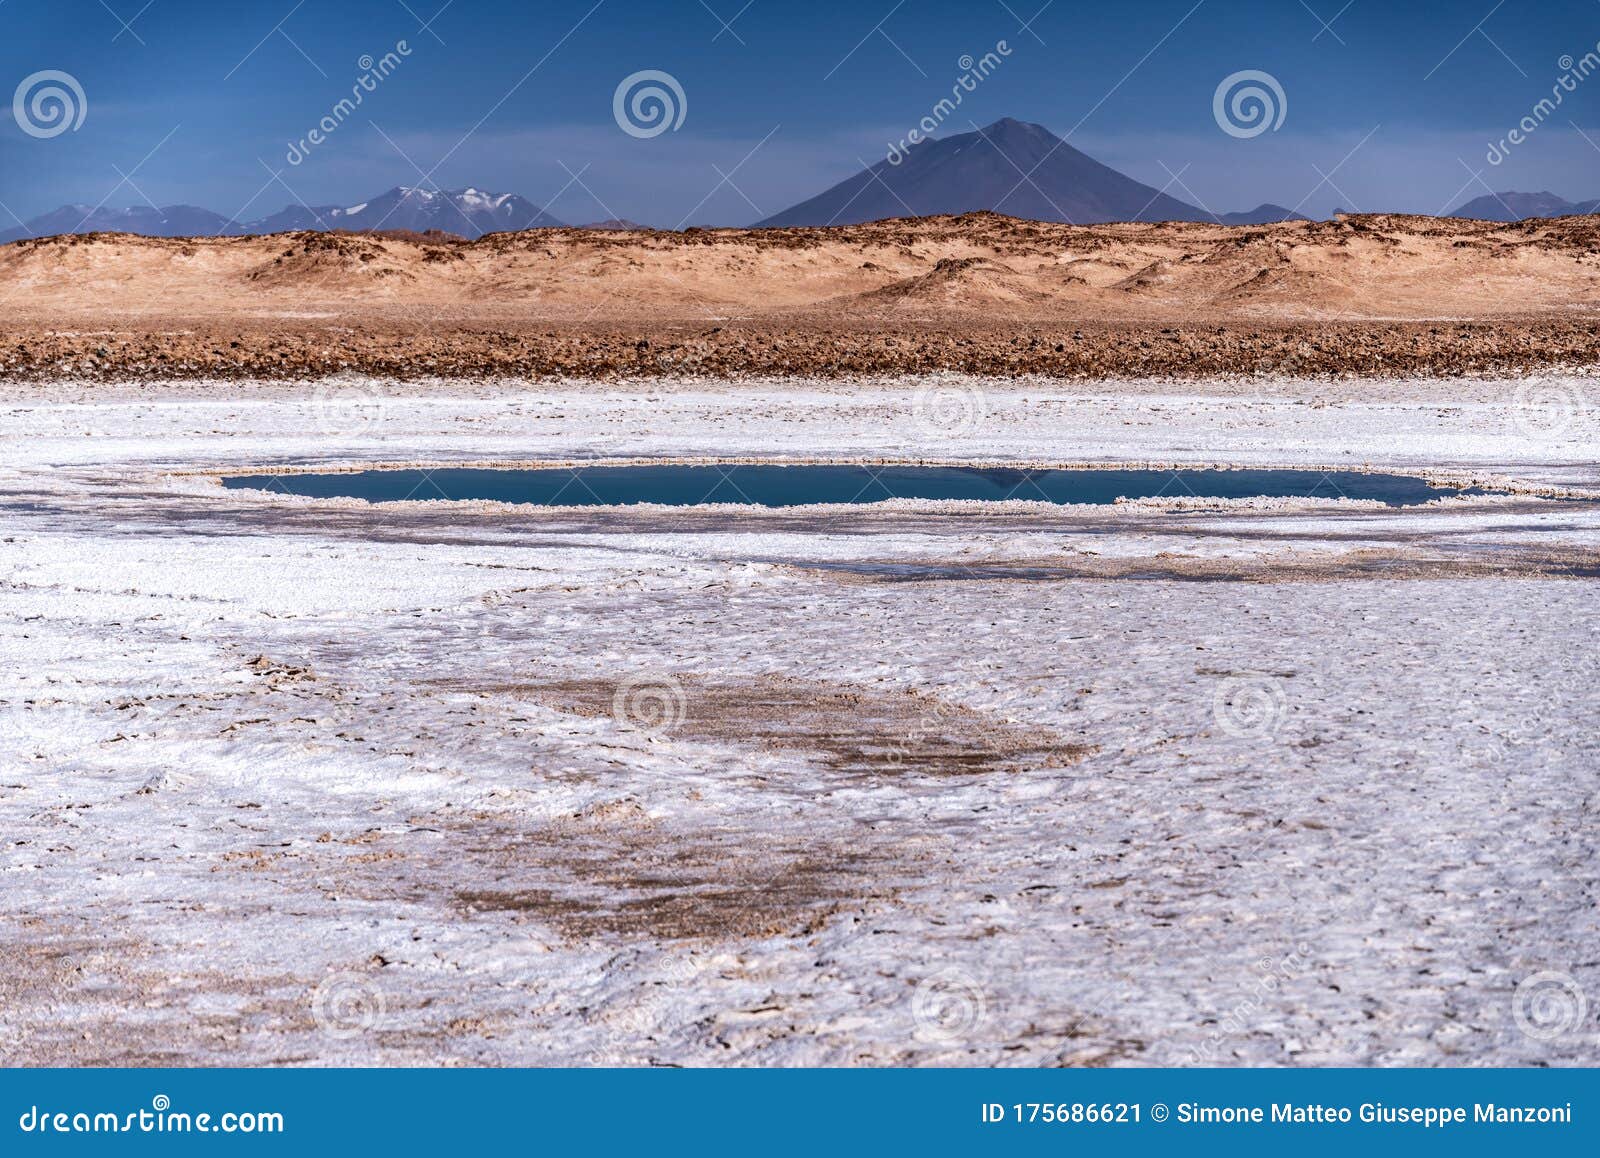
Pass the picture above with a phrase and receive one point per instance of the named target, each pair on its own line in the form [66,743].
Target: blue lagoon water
[787,486]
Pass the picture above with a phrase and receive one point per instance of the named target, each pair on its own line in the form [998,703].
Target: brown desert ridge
[980,293]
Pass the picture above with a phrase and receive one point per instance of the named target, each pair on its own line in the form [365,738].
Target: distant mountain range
[1520,206]
[467,212]
[1011,167]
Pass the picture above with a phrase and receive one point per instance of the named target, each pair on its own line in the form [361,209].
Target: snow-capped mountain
[468,212]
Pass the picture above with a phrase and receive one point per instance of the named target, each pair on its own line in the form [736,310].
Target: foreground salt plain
[1281,783]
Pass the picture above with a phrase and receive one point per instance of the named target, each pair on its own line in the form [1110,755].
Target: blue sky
[1389,106]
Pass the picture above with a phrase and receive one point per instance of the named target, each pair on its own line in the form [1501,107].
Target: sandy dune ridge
[982,292]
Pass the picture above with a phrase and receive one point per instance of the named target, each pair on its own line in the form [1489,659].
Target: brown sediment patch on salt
[702,886]
[65,998]
[851,729]
[612,873]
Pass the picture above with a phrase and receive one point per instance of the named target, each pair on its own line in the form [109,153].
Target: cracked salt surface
[288,781]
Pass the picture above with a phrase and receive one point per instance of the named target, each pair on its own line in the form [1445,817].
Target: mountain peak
[1511,206]
[983,169]
[1012,125]
[1264,214]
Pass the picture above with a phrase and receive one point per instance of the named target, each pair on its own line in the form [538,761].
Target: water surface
[787,486]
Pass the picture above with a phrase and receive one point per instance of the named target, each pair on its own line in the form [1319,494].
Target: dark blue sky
[198,101]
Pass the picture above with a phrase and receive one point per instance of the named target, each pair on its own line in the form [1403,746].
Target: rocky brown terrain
[980,293]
